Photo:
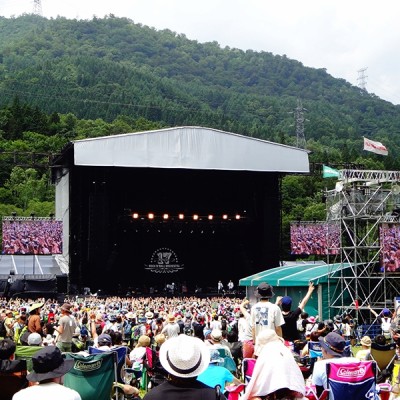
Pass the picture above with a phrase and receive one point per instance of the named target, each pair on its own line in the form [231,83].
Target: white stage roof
[190,147]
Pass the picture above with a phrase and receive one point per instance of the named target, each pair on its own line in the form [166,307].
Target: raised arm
[307,296]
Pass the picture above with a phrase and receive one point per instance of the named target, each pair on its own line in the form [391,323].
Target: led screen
[314,238]
[390,247]
[32,237]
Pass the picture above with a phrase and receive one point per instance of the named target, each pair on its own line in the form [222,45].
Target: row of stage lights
[195,217]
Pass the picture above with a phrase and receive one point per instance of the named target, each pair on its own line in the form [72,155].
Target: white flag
[375,147]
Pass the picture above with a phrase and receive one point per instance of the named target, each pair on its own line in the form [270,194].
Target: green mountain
[103,68]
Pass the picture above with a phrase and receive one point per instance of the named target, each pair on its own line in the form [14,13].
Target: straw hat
[184,356]
[171,318]
[366,341]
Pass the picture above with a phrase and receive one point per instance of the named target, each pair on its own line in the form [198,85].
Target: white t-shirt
[265,314]
[47,391]
[319,371]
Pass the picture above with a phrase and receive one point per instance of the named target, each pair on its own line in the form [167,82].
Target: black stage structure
[188,205]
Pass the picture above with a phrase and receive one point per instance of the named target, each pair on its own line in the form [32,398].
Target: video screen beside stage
[24,236]
[314,238]
[390,247]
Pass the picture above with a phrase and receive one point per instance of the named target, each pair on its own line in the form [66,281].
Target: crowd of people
[32,237]
[187,334]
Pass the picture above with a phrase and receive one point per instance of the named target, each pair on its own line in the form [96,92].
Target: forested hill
[105,68]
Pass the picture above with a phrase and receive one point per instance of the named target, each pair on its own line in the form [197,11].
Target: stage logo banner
[328,172]
[375,147]
[163,261]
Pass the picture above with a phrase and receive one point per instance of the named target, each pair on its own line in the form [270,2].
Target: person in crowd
[34,321]
[184,358]
[66,328]
[265,314]
[220,287]
[49,367]
[171,329]
[9,322]
[384,319]
[11,367]
[138,354]
[215,341]
[333,348]
[364,352]
[217,374]
[34,339]
[276,373]
[289,328]
[198,327]
[20,327]
[245,330]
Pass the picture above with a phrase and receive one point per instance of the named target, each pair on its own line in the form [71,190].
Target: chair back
[247,369]
[26,353]
[121,354]
[352,380]
[229,362]
[93,375]
[384,355]
[314,349]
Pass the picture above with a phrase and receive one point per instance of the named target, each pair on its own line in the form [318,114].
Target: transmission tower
[37,7]
[299,121]
[362,79]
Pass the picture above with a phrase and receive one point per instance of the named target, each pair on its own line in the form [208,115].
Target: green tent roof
[296,275]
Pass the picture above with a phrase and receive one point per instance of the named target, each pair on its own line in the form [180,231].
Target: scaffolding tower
[362,202]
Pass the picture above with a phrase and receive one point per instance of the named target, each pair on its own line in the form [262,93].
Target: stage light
[150,215]
[210,217]
[165,216]
[237,216]
[135,215]
[181,216]
[225,216]
[195,217]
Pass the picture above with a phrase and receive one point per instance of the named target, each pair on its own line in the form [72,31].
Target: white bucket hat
[184,356]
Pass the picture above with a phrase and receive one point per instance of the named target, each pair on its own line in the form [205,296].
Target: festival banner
[375,147]
[328,172]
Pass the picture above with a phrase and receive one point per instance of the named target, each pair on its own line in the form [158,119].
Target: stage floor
[29,265]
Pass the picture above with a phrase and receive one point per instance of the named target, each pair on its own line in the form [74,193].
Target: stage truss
[361,201]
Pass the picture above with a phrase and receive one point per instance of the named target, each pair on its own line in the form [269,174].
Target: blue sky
[341,36]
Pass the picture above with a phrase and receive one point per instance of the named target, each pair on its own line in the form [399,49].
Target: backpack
[127,329]
[187,329]
[3,330]
[136,332]
[84,331]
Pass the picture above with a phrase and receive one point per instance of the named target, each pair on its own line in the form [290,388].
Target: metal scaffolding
[361,203]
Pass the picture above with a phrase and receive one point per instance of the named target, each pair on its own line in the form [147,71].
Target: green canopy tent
[293,280]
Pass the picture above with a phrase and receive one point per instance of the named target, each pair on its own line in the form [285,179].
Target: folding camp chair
[26,353]
[247,369]
[154,371]
[229,362]
[315,353]
[121,352]
[92,375]
[384,356]
[353,380]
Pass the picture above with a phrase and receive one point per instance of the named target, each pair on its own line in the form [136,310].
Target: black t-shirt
[289,328]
